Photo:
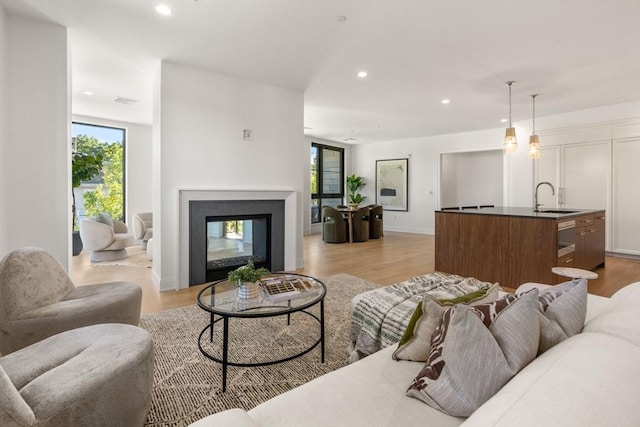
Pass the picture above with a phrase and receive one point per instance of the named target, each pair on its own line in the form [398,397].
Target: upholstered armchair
[360,223]
[375,222]
[334,228]
[38,300]
[100,375]
[143,227]
[107,238]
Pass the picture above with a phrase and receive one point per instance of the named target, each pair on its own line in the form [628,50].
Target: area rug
[187,385]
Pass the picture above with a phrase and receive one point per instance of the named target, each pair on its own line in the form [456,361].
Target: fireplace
[234,240]
[226,234]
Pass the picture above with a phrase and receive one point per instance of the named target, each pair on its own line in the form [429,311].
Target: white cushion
[370,392]
[620,317]
[231,418]
[586,380]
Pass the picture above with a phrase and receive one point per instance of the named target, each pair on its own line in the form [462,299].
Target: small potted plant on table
[245,278]
[353,184]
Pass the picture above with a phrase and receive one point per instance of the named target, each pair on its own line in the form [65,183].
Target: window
[327,178]
[105,192]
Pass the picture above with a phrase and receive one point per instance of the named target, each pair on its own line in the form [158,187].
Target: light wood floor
[392,259]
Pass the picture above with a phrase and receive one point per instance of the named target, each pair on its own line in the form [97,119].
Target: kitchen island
[515,245]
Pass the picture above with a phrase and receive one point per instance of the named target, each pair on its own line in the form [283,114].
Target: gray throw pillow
[475,351]
[563,309]
[416,340]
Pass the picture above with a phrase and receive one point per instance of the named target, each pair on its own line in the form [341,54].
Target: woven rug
[187,385]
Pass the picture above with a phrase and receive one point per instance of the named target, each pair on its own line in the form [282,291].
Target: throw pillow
[563,309]
[416,340]
[105,218]
[475,351]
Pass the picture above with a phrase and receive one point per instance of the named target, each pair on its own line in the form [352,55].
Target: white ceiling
[576,54]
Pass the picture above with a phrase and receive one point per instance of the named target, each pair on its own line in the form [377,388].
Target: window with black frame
[327,178]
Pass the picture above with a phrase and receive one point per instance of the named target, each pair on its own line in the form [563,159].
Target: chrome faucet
[553,192]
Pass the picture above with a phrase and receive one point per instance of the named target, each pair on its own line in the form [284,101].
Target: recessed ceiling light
[88,92]
[362,74]
[504,120]
[341,18]
[163,9]
[445,101]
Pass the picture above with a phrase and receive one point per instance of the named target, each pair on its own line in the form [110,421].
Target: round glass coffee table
[221,301]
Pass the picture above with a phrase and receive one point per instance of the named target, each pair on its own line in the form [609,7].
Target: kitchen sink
[557,211]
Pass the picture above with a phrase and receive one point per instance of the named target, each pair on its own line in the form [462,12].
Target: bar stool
[574,273]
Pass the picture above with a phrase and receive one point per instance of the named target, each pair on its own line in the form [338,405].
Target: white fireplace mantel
[186,195]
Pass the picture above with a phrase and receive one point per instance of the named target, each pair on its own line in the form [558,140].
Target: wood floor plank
[394,258]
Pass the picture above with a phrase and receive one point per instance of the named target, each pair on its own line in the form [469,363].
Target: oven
[566,237]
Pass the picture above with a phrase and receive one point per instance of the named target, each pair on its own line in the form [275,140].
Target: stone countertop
[548,213]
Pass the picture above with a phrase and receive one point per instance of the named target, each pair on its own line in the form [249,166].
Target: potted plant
[245,278]
[354,183]
[84,167]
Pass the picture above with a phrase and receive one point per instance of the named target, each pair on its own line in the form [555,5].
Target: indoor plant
[84,167]
[245,278]
[353,184]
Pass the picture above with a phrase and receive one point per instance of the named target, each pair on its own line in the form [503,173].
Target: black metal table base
[225,343]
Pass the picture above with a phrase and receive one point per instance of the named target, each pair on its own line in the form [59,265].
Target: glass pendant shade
[510,145]
[533,152]
[534,147]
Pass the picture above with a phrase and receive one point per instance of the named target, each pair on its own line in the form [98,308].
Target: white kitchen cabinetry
[585,175]
[595,167]
[625,212]
[580,174]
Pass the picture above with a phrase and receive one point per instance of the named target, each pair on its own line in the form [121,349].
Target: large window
[327,178]
[105,192]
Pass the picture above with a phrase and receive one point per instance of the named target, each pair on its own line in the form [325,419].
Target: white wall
[36,145]
[424,154]
[200,116]
[138,159]
[3,177]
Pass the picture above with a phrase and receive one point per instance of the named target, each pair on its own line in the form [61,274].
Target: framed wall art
[392,184]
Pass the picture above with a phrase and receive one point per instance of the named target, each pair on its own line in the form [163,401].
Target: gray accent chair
[360,223]
[376,229]
[38,300]
[99,375]
[143,227]
[107,238]
[334,227]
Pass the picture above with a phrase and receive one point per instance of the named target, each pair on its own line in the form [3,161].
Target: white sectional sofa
[590,379]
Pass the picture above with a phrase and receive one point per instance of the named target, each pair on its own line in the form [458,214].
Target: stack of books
[284,288]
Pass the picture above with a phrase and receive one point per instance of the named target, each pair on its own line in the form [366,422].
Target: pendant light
[534,143]
[510,143]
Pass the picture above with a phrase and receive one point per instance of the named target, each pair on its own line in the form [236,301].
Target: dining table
[349,211]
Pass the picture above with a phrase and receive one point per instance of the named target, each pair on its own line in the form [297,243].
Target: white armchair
[143,227]
[107,238]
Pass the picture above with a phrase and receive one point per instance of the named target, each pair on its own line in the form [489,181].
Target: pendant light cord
[534,112]
[510,83]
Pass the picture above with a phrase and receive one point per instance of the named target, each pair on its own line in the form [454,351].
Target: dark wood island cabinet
[512,245]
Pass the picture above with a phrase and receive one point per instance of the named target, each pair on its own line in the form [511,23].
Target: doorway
[472,178]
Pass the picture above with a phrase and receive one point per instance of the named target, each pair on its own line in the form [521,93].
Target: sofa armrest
[95,235]
[230,418]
